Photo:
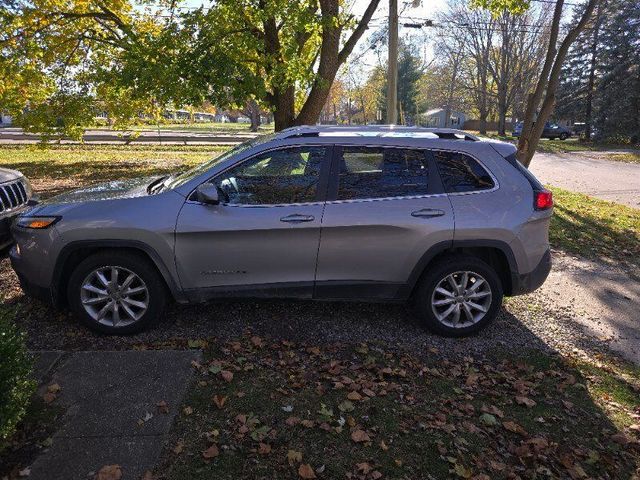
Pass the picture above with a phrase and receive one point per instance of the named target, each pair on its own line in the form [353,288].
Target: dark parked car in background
[551,131]
[15,194]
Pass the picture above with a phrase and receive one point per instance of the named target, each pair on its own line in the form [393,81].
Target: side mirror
[207,193]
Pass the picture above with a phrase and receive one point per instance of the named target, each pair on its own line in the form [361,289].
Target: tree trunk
[331,57]
[502,111]
[548,83]
[592,77]
[284,108]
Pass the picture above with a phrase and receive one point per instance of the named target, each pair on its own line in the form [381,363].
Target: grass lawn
[595,228]
[268,409]
[61,167]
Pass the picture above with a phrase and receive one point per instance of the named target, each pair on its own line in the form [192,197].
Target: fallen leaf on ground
[360,436]
[620,438]
[513,427]
[294,457]
[187,410]
[526,401]
[305,471]
[226,375]
[109,472]
[211,452]
[53,388]
[49,397]
[363,467]
[354,396]
[488,419]
[219,400]
[178,448]
[162,407]
[264,448]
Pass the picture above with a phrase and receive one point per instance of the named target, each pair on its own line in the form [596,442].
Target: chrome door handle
[428,213]
[297,218]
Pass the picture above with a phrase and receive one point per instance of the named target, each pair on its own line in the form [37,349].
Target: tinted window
[277,177]
[369,172]
[461,173]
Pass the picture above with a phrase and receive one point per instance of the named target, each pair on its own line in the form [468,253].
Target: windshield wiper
[157,185]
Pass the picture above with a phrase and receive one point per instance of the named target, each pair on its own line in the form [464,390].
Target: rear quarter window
[461,173]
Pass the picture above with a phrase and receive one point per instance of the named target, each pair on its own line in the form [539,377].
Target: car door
[263,237]
[385,209]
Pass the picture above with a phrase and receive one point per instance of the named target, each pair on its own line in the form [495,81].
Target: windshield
[180,179]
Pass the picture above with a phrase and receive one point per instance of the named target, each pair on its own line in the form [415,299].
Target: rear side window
[378,172]
[461,173]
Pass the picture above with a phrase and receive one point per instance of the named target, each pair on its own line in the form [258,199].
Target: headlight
[38,223]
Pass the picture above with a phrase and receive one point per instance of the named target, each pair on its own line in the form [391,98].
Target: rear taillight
[543,200]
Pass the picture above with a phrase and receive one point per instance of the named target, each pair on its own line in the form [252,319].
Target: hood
[7,175]
[117,189]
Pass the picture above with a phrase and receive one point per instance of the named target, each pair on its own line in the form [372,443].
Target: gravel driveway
[588,172]
[585,307]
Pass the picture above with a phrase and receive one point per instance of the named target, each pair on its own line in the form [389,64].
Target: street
[587,172]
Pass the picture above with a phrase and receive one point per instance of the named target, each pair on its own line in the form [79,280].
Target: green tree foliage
[285,54]
[16,385]
[610,45]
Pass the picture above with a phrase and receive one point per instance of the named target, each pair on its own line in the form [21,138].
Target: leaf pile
[268,409]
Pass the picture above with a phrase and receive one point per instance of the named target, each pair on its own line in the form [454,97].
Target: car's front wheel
[458,296]
[564,136]
[116,292]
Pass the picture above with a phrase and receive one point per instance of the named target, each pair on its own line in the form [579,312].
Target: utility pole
[392,69]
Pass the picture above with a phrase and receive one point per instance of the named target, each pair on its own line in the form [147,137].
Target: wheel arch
[75,252]
[496,253]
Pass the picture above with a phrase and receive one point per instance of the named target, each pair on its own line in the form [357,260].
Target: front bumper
[528,282]
[41,293]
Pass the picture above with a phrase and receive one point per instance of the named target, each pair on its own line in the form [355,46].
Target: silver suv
[440,218]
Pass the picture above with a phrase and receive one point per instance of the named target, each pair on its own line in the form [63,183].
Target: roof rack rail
[376,130]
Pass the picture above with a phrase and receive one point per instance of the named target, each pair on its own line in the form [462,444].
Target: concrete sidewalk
[111,409]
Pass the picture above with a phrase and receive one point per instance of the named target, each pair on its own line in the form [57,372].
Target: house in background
[5,119]
[436,118]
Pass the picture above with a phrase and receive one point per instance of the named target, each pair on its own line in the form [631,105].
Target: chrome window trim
[266,205]
[382,199]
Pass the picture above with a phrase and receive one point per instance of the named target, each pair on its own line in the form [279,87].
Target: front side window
[461,173]
[378,172]
[277,177]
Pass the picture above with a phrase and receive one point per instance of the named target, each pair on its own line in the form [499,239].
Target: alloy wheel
[461,299]
[114,296]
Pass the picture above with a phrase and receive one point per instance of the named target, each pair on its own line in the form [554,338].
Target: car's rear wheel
[458,296]
[116,293]
[564,136]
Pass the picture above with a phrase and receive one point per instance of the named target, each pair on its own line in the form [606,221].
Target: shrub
[16,384]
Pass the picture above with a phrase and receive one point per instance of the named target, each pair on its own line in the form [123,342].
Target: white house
[436,118]
[5,119]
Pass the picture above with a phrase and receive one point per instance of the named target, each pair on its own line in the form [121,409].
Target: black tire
[155,295]
[436,273]
[563,136]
